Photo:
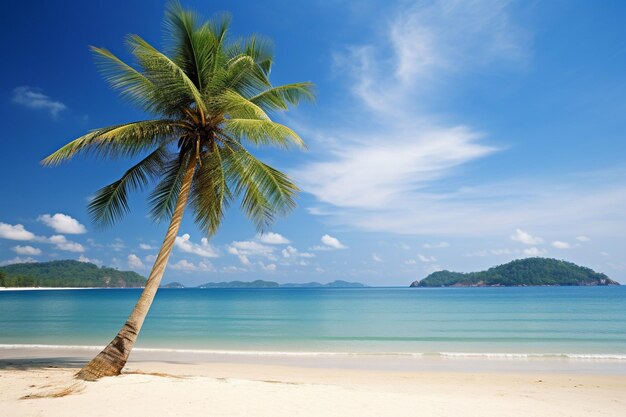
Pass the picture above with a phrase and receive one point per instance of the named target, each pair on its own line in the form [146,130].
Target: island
[520,273]
[174,284]
[67,273]
[271,284]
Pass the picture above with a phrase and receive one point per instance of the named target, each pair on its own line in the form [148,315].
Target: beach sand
[31,388]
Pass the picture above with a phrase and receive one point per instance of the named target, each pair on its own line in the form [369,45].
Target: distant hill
[240,284]
[67,274]
[521,272]
[173,285]
[272,284]
[334,284]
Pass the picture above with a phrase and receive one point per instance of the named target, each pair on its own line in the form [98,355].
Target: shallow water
[574,321]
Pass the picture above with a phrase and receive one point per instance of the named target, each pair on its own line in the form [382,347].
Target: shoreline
[591,364]
[262,389]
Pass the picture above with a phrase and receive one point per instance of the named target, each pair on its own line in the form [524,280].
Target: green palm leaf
[128,139]
[111,202]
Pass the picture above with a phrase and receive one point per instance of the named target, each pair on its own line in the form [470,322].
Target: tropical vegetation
[67,273]
[521,272]
[210,97]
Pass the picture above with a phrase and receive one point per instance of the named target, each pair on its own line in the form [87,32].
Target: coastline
[262,389]
[591,364]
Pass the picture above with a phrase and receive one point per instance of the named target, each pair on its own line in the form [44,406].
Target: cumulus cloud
[525,238]
[83,258]
[330,243]
[186,266]
[134,262]
[62,243]
[534,251]
[62,223]
[33,98]
[268,267]
[204,249]
[273,239]
[250,248]
[376,258]
[582,238]
[291,252]
[15,232]
[145,246]
[27,250]
[561,245]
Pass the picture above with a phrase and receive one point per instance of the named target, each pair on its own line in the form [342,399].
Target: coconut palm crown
[210,97]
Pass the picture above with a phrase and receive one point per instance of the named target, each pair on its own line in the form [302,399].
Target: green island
[67,273]
[271,284]
[75,274]
[520,273]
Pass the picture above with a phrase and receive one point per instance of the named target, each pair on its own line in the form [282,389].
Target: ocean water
[570,321]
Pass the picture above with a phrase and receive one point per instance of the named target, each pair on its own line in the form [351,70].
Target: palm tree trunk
[112,359]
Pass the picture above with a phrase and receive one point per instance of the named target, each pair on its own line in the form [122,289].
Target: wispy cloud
[33,98]
[386,170]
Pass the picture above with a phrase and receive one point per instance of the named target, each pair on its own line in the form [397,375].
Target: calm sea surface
[541,320]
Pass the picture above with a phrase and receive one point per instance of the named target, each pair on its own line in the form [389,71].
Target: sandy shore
[232,389]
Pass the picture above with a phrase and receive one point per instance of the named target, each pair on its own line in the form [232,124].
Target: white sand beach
[177,388]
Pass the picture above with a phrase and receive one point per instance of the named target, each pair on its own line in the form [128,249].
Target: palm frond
[163,198]
[265,191]
[279,98]
[111,202]
[235,105]
[210,195]
[131,84]
[164,72]
[194,47]
[262,132]
[127,140]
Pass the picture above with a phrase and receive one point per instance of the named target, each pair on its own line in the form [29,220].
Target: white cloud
[145,246]
[244,260]
[376,258]
[186,266]
[424,258]
[269,267]
[525,237]
[62,223]
[330,243]
[203,249]
[134,262]
[15,232]
[582,238]
[291,252]
[118,245]
[27,250]
[18,260]
[62,243]
[33,98]
[250,248]
[410,262]
[436,245]
[534,251]
[561,245]
[83,258]
[273,238]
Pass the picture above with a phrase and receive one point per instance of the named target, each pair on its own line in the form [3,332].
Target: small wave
[451,355]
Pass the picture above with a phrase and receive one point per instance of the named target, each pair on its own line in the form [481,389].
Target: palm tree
[210,96]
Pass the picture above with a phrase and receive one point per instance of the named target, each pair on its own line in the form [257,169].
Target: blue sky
[446,135]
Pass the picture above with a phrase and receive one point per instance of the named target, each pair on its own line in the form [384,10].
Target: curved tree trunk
[112,359]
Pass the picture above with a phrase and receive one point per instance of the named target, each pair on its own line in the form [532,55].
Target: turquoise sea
[573,321]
